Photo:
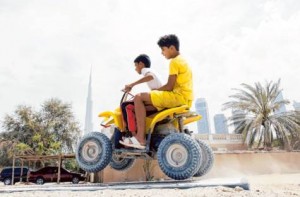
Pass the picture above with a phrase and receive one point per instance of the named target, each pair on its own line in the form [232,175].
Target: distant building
[296,105]
[88,126]
[237,116]
[202,109]
[220,124]
[282,108]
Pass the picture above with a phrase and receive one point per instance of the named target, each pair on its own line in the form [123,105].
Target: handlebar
[125,95]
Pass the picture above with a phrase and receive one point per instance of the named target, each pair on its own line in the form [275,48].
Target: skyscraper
[282,108]
[202,109]
[88,126]
[238,116]
[220,123]
[296,105]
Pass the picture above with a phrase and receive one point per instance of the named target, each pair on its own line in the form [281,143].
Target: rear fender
[155,118]
[190,117]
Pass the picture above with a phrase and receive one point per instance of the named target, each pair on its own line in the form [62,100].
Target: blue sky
[47,48]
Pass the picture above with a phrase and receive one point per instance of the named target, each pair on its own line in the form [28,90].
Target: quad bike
[168,140]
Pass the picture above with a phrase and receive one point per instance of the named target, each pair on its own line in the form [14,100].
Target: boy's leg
[124,112]
[140,102]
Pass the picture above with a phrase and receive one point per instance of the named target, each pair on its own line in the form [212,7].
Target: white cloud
[48,47]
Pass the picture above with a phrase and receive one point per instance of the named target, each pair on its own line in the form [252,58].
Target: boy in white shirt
[142,66]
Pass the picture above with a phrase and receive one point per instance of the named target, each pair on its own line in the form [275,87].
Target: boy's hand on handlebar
[127,92]
[128,88]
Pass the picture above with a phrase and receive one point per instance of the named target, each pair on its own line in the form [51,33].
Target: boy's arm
[170,84]
[141,80]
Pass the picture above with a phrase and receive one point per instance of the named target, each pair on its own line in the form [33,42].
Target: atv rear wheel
[179,156]
[94,152]
[121,164]
[207,159]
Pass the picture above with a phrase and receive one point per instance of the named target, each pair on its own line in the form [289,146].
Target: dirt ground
[270,185]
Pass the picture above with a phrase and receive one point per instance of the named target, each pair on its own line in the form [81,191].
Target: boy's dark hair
[168,40]
[143,58]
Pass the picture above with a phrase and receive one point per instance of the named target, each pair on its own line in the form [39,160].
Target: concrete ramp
[169,184]
[186,184]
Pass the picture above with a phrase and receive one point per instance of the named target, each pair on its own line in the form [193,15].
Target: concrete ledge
[254,163]
[186,184]
[227,164]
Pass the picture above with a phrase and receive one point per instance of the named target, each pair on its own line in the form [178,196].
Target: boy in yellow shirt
[176,92]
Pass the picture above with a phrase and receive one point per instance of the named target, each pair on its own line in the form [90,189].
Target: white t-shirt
[155,83]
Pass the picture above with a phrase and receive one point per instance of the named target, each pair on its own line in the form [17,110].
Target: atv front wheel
[94,152]
[179,156]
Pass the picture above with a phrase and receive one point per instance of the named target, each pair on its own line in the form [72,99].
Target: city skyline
[220,123]
[47,48]
[296,105]
[221,117]
[88,125]
[201,107]
[282,108]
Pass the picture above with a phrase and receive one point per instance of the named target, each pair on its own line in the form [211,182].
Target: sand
[271,185]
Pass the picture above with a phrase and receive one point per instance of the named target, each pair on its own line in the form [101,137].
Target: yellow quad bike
[179,155]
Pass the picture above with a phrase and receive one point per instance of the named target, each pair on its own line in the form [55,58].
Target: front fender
[112,117]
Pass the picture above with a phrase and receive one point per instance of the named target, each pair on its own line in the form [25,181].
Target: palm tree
[259,120]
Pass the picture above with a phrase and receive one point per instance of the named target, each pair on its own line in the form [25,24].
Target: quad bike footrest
[124,152]
[131,150]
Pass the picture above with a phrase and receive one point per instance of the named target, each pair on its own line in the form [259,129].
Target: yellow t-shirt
[184,80]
